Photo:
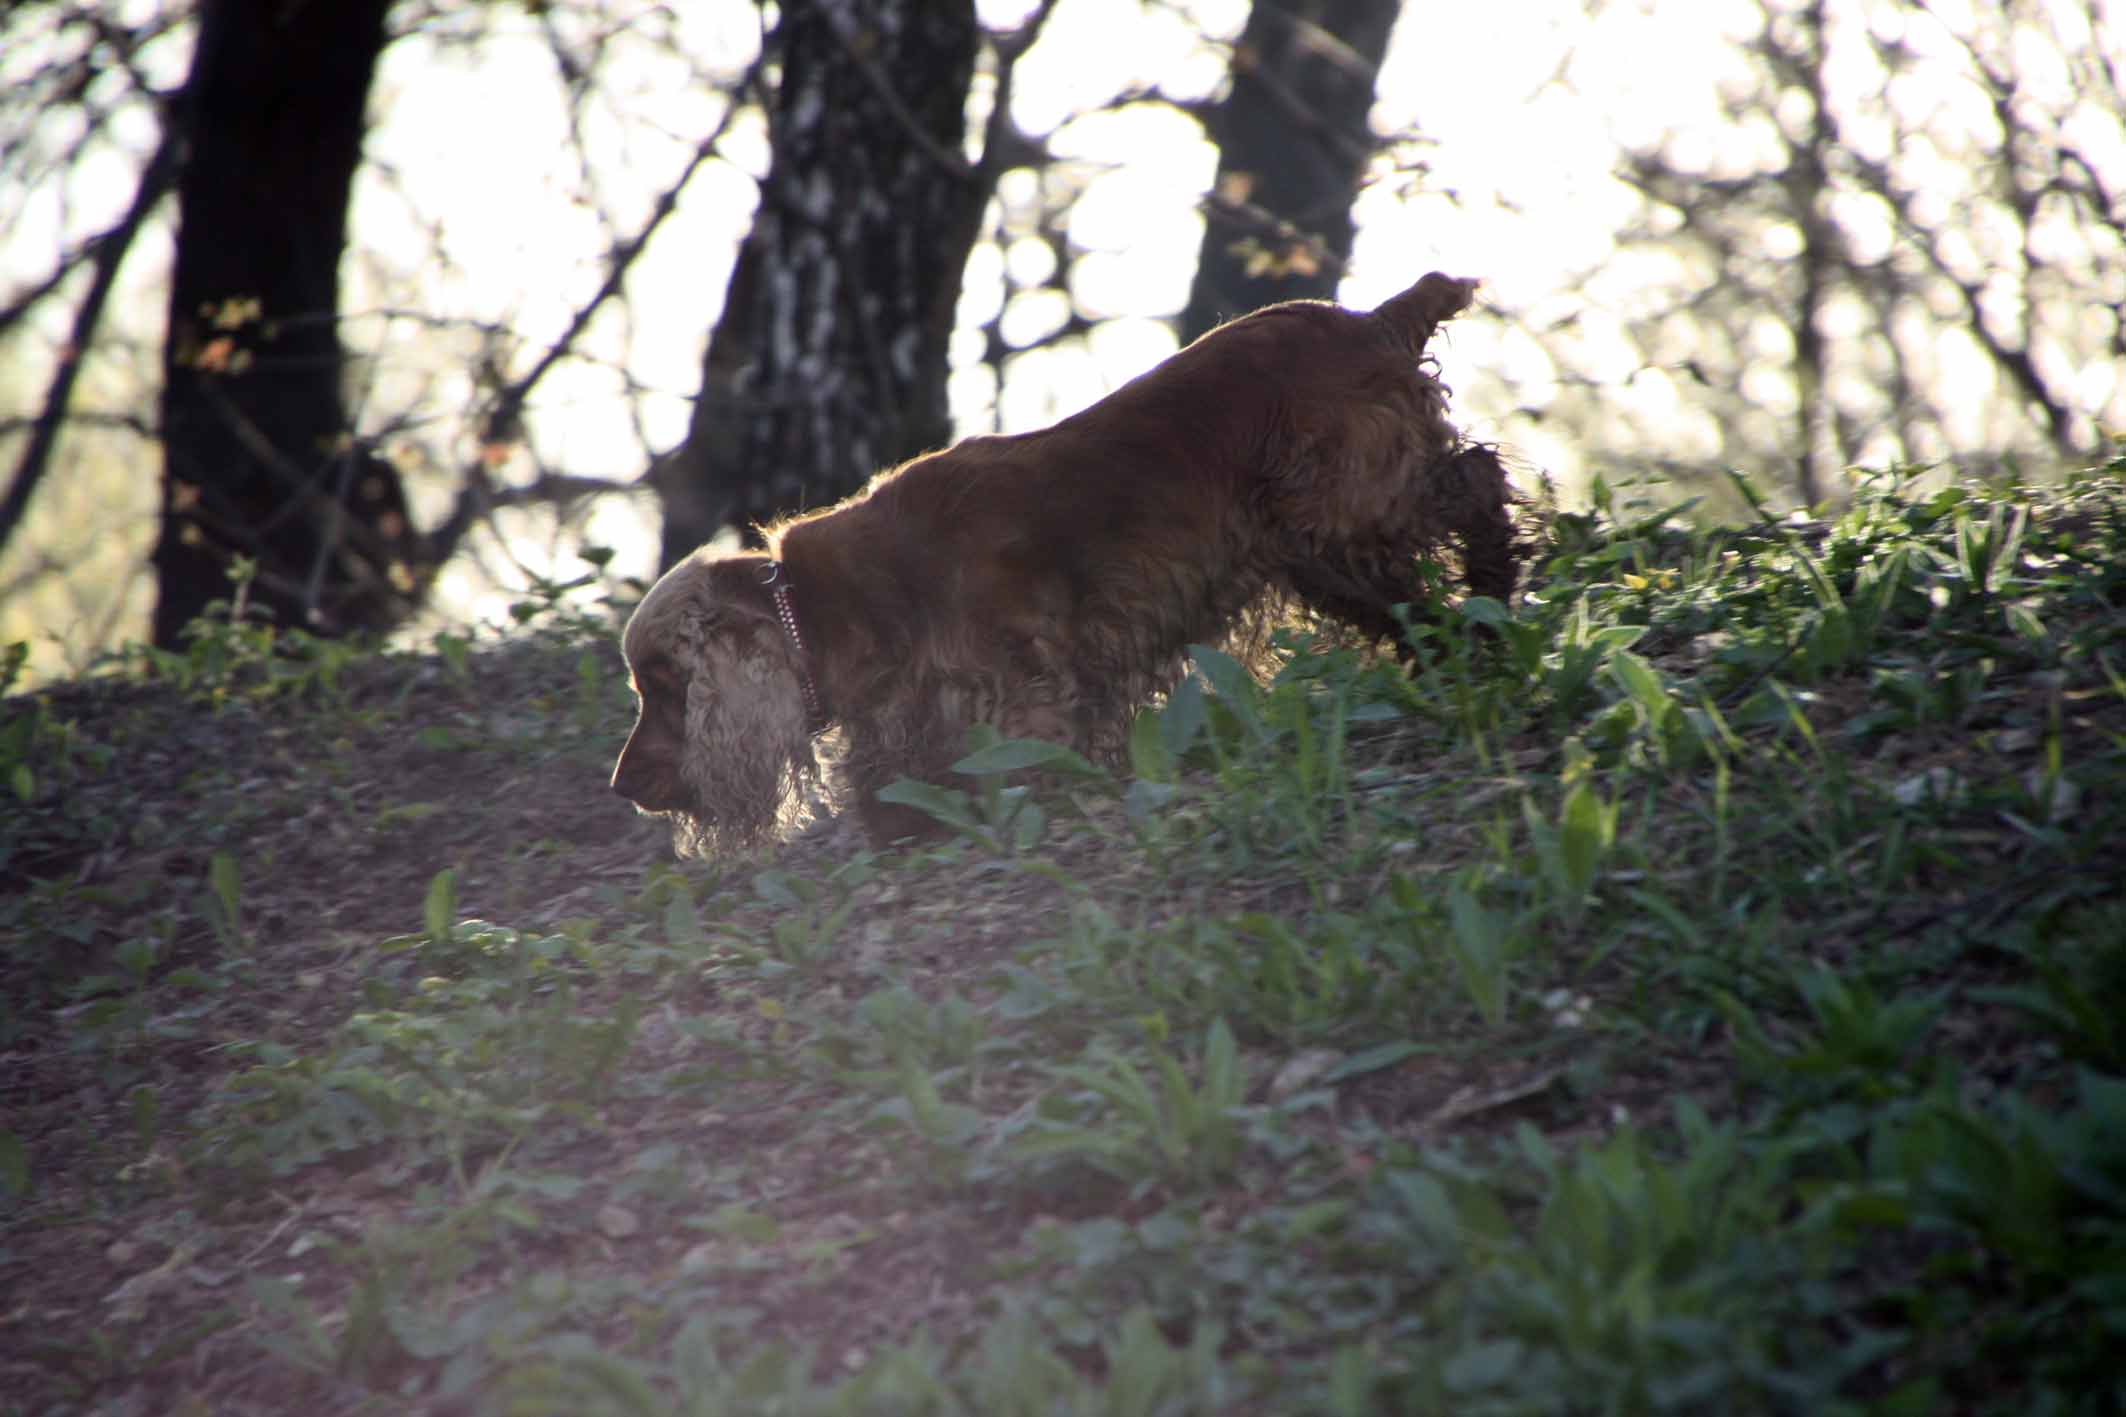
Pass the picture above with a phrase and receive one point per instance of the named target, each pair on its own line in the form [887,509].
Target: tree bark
[830,359]
[258,461]
[1293,144]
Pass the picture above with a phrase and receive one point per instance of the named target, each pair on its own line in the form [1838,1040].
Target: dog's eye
[656,676]
[661,682]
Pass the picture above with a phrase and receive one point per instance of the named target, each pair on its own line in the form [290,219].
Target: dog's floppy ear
[749,744]
[745,753]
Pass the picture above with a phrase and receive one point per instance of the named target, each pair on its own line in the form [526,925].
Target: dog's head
[722,743]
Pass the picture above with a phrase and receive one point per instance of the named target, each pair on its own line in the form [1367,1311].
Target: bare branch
[155,180]
[478,498]
[1003,145]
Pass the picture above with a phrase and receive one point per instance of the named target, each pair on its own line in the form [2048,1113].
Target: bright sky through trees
[480,229]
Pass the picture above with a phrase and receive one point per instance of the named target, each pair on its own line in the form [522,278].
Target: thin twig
[478,497]
[155,181]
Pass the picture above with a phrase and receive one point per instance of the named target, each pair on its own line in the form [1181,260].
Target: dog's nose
[649,794]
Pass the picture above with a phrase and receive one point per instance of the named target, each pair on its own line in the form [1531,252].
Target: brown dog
[1049,583]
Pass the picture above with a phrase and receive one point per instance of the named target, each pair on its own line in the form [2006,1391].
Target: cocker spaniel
[1049,583]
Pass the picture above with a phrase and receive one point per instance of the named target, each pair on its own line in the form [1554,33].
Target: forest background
[401,306]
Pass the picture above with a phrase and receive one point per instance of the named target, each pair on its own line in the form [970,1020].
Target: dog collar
[779,587]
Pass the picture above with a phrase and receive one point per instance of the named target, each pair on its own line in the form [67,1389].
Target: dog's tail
[1424,307]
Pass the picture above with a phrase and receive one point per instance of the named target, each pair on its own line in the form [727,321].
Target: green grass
[1700,988]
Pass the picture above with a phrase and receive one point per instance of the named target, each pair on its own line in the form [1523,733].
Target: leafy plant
[1111,1116]
[1860,1044]
[1482,941]
[1001,818]
[1570,853]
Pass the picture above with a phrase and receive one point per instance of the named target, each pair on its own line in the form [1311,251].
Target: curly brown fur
[1050,583]
[721,741]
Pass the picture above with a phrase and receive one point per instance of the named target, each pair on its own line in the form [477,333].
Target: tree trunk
[258,462]
[1293,144]
[829,361]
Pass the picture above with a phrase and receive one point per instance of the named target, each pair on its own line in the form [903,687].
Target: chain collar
[779,587]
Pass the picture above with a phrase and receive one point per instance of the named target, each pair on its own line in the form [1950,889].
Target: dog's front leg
[881,752]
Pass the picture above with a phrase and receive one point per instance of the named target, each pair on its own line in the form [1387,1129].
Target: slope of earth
[1702,986]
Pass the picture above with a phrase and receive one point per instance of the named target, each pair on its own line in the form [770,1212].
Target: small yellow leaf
[236,312]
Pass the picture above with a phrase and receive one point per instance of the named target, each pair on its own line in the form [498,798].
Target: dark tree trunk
[1293,143]
[829,361]
[257,458]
